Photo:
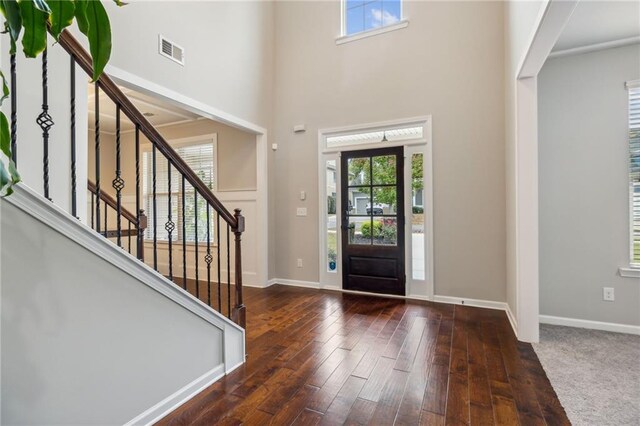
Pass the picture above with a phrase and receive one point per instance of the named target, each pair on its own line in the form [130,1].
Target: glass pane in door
[417,217]
[332,229]
[359,171]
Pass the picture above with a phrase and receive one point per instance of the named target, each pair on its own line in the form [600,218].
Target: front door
[373,220]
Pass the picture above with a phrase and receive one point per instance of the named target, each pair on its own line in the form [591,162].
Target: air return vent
[170,50]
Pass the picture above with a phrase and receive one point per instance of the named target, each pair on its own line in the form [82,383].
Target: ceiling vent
[170,50]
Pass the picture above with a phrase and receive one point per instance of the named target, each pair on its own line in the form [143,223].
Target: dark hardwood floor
[320,357]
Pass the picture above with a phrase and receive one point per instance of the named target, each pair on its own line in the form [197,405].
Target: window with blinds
[200,157]
[634,169]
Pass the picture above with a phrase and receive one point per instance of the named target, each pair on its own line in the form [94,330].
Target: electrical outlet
[299,263]
[608,294]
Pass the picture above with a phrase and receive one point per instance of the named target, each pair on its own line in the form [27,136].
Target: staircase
[203,279]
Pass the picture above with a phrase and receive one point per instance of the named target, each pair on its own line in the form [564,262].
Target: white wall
[584,185]
[228,51]
[29,134]
[449,63]
[520,23]
[84,342]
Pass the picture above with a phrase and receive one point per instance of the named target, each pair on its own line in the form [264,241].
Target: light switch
[301,211]
[303,195]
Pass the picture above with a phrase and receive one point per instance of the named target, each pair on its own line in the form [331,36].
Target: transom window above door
[361,16]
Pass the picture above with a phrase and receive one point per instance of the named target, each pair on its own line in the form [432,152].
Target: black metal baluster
[219,264]
[106,223]
[129,235]
[97,154]
[195,238]
[14,109]
[92,211]
[74,195]
[169,226]
[155,209]
[118,182]
[139,236]
[228,271]
[208,258]
[184,236]
[45,122]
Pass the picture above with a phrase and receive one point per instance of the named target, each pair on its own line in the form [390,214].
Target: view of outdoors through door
[417,216]
[372,192]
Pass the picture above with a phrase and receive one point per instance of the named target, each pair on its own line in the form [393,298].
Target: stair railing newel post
[239,310]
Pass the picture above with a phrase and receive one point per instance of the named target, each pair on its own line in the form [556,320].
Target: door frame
[415,289]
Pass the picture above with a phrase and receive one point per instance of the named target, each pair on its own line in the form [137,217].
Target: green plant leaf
[34,40]
[8,174]
[11,12]
[5,88]
[81,16]
[62,13]
[42,5]
[99,35]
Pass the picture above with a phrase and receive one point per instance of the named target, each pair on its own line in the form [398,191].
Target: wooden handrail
[83,58]
[114,204]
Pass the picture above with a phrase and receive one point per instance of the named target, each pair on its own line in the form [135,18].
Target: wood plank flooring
[328,358]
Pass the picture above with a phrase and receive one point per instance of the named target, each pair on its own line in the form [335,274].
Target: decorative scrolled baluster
[97,153]
[45,122]
[170,225]
[72,111]
[195,238]
[14,109]
[184,235]
[208,258]
[155,209]
[118,182]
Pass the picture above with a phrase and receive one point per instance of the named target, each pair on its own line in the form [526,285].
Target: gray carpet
[596,374]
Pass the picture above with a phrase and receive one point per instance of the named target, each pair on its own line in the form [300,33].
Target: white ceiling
[594,22]
[164,114]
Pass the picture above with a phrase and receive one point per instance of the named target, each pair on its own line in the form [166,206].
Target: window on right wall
[634,170]
[361,16]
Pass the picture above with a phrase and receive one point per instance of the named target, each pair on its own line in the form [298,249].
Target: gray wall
[449,62]
[83,342]
[584,186]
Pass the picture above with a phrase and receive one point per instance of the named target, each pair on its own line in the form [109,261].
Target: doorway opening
[376,222]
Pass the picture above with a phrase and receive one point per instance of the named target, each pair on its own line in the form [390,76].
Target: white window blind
[634,169]
[200,158]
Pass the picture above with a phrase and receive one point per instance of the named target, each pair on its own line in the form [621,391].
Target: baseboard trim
[512,319]
[478,303]
[178,398]
[593,325]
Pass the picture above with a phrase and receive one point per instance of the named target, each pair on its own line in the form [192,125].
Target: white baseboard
[512,319]
[295,283]
[175,400]
[478,303]
[594,325]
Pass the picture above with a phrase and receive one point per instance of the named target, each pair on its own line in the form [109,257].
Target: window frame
[633,264]
[403,22]
[147,147]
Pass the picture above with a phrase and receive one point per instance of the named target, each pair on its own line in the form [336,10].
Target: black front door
[373,220]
